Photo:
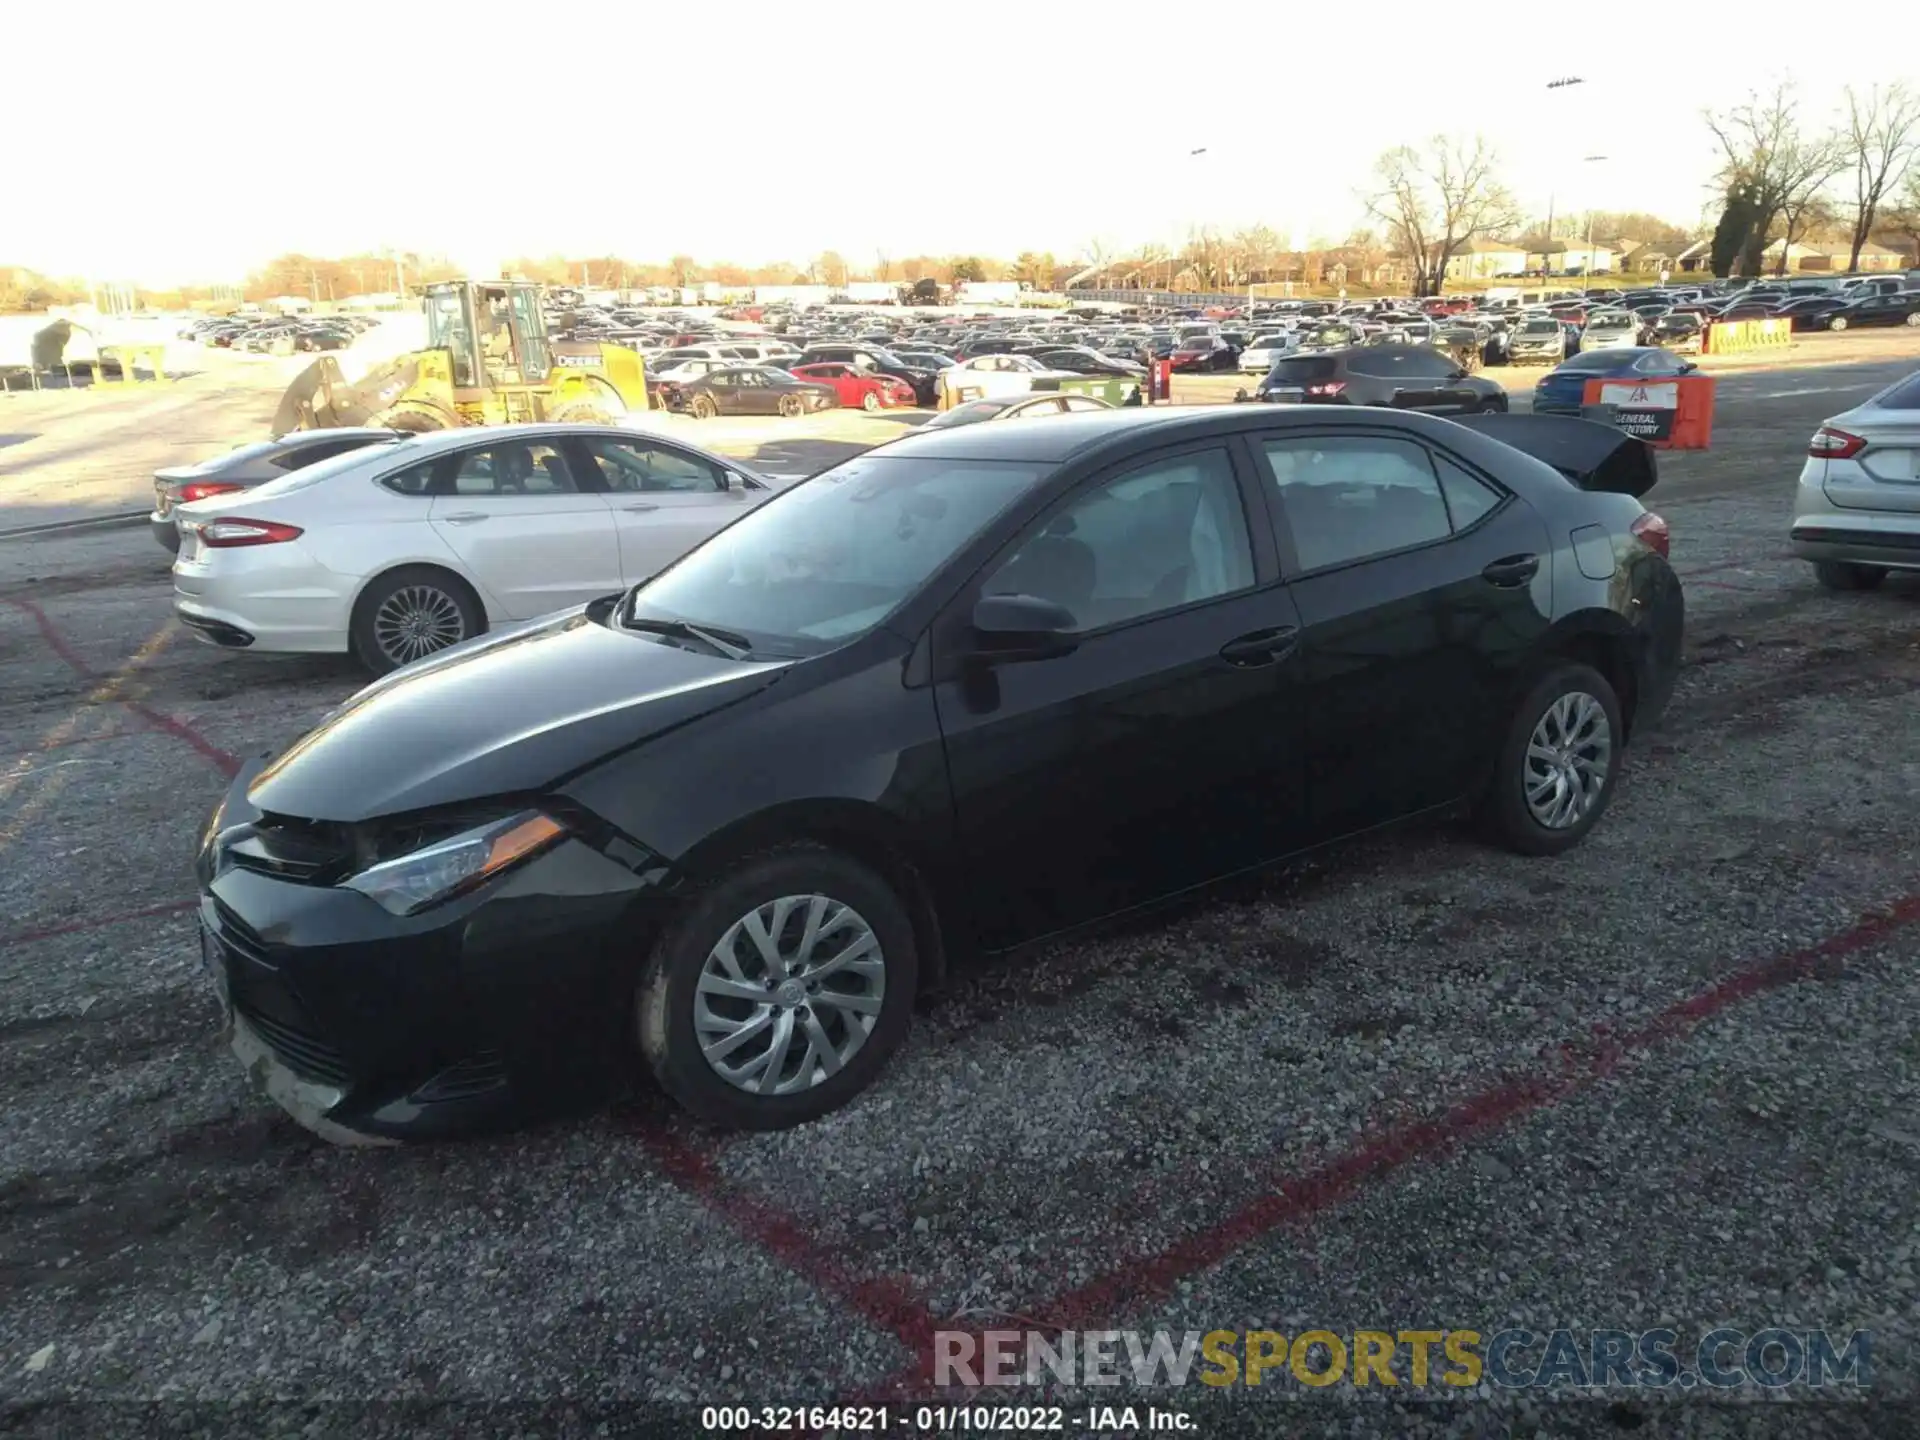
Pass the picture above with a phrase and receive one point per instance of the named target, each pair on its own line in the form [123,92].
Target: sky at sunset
[186,144]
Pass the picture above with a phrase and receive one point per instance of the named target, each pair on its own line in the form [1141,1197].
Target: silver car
[243,469]
[1856,514]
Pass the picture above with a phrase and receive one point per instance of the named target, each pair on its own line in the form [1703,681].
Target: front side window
[1157,538]
[1348,498]
[632,466]
[829,559]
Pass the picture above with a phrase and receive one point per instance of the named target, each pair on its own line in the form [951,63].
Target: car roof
[1077,435]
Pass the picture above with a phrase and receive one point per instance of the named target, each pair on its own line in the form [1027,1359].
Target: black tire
[584,412]
[416,422]
[1494,405]
[1841,575]
[364,633]
[703,408]
[1504,813]
[664,997]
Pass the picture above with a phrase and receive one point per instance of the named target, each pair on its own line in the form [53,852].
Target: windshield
[828,560]
[1540,327]
[1611,322]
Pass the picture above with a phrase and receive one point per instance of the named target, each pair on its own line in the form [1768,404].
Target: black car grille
[302,1052]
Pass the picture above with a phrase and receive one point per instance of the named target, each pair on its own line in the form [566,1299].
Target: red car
[865,388]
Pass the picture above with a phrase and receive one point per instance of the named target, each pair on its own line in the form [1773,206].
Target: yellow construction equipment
[488,361]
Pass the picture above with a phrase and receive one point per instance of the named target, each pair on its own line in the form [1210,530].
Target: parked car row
[279,334]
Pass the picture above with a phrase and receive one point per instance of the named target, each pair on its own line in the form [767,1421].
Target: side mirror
[736,481]
[1022,627]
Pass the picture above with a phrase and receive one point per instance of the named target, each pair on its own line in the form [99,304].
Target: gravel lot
[1671,1079]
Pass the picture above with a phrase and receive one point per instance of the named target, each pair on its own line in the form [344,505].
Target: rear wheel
[411,613]
[703,407]
[1494,405]
[791,406]
[1840,575]
[780,991]
[595,409]
[1558,767]
[1839,322]
[1914,319]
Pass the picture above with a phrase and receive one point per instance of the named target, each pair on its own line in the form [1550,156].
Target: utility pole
[1565,82]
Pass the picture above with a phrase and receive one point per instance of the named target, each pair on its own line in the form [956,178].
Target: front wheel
[872,401]
[1559,764]
[1839,322]
[780,991]
[1494,405]
[1914,319]
[1840,575]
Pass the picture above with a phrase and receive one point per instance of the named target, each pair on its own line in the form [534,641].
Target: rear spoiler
[1592,455]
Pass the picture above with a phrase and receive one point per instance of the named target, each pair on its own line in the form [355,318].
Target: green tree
[969,267]
[1734,234]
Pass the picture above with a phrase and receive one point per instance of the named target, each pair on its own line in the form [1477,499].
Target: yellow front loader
[488,361]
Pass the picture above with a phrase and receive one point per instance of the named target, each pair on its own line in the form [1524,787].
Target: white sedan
[404,547]
[1259,357]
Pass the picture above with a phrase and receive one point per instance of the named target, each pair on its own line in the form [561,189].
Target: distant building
[1483,259]
[1562,256]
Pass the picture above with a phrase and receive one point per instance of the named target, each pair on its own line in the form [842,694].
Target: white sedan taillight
[1831,444]
[232,533]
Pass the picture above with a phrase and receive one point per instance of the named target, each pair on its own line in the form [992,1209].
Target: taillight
[1327,387]
[231,534]
[205,490]
[1831,444]
[1651,531]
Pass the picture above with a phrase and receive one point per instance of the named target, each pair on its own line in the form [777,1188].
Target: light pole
[1563,83]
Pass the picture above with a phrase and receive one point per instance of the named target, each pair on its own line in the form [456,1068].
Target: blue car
[1561,390]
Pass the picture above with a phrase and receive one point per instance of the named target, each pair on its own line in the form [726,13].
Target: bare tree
[1783,167]
[1883,134]
[1435,199]
[882,265]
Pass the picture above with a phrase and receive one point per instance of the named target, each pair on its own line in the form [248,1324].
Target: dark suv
[1403,377]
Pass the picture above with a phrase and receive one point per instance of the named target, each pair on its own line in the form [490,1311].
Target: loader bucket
[321,399]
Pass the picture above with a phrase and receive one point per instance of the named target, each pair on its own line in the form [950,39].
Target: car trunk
[1885,475]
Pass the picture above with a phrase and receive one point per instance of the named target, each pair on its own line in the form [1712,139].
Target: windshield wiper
[734,647]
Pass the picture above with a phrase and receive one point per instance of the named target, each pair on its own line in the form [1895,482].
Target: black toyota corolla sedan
[974,689]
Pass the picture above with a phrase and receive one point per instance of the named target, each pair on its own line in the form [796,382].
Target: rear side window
[1904,396]
[1349,498]
[414,480]
[312,454]
[1468,496]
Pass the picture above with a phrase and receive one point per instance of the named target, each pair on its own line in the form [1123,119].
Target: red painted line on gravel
[222,761]
[886,1303]
[28,937]
[1147,1278]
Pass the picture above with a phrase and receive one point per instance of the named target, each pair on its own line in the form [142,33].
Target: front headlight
[438,872]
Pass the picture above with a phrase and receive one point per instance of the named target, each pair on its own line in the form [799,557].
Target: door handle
[640,507]
[1512,571]
[1261,647]
[465,517]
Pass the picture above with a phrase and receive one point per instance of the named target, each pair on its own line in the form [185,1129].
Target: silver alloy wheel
[803,968]
[415,621]
[1568,756]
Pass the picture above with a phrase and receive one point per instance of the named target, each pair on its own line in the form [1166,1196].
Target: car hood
[500,715]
